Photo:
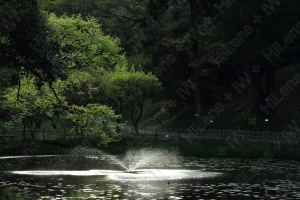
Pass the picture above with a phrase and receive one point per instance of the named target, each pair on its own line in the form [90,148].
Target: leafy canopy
[84,46]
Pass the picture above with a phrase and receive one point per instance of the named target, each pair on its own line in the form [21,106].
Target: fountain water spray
[135,159]
[145,157]
[129,169]
[143,164]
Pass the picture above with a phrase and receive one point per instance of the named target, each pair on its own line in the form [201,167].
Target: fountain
[144,157]
[143,174]
[143,164]
[129,170]
[138,172]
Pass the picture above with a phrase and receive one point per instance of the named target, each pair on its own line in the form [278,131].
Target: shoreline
[209,148]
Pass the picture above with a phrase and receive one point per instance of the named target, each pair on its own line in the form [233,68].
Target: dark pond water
[155,175]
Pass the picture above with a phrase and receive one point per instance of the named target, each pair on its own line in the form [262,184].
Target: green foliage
[132,89]
[94,119]
[153,40]
[79,89]
[263,33]
[135,86]
[89,55]
[25,35]
[83,45]
[139,61]
[27,101]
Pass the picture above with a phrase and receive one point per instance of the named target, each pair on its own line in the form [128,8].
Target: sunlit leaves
[132,88]
[85,44]
[28,101]
[94,119]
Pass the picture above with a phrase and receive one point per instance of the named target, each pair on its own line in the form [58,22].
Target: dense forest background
[151,63]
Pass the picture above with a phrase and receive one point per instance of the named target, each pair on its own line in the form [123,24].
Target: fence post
[256,135]
[260,135]
[266,135]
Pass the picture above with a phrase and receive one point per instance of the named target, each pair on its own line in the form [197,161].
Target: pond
[146,174]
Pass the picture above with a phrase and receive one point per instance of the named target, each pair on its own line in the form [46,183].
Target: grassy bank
[198,148]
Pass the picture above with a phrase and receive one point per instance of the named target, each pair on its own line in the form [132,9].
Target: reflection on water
[137,175]
[101,177]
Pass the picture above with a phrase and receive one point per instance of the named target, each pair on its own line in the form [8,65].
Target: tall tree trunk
[119,119]
[270,79]
[255,94]
[196,92]
[197,100]
[76,127]
[137,120]
[136,130]
[53,121]
[38,121]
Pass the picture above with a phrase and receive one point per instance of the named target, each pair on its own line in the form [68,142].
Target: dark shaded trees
[258,40]
[27,42]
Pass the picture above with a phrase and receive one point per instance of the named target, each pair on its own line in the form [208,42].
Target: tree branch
[54,92]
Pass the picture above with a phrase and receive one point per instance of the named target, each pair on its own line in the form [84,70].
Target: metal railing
[42,134]
[228,135]
[127,132]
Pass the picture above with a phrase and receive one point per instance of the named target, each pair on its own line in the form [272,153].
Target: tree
[254,39]
[94,119]
[132,88]
[26,42]
[83,88]
[80,89]
[30,103]
[84,46]
[90,55]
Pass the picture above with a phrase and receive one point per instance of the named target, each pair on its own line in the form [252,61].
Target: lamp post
[267,120]
[210,123]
